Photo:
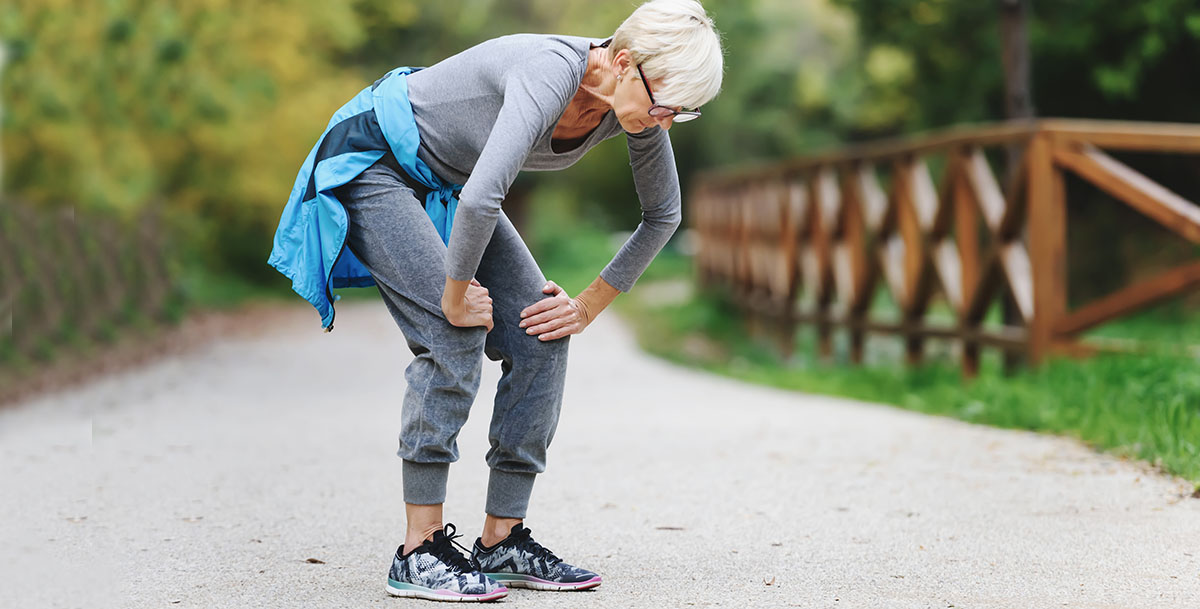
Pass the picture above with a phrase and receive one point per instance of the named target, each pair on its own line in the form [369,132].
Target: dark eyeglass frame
[660,111]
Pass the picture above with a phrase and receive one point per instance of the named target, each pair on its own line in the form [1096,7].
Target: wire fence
[71,281]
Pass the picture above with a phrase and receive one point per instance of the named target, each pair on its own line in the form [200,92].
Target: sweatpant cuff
[425,483]
[508,493]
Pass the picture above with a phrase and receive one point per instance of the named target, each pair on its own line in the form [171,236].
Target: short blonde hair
[675,40]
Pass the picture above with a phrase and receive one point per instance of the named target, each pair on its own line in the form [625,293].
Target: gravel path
[211,478]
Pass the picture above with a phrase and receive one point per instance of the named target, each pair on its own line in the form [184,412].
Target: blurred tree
[113,104]
[1091,58]
[211,105]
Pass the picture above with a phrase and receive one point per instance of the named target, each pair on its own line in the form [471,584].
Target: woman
[378,202]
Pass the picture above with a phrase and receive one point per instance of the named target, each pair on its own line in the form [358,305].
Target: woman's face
[631,102]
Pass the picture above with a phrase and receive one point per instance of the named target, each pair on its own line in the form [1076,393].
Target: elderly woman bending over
[403,191]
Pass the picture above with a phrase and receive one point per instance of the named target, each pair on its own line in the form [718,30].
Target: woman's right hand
[473,308]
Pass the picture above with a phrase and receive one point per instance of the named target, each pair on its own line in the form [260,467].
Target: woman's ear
[622,62]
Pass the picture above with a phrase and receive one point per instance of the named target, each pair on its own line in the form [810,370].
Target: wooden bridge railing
[808,240]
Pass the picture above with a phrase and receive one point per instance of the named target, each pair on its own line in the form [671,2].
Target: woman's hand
[556,316]
[473,308]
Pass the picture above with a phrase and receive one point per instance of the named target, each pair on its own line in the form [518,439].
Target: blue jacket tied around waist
[310,241]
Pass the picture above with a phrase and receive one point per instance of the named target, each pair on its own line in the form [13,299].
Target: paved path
[209,479]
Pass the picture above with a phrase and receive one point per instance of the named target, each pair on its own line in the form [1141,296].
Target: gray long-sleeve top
[490,111]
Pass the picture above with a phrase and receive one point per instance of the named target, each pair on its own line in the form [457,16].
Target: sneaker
[439,572]
[520,562]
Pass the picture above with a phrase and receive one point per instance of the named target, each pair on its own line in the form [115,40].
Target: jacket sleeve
[535,94]
[657,184]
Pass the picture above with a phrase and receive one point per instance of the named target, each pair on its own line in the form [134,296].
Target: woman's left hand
[554,317]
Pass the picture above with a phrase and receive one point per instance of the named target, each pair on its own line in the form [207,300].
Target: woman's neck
[592,100]
[598,82]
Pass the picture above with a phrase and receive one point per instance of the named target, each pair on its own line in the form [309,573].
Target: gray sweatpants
[394,238]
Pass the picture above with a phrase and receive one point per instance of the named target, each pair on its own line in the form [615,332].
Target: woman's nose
[666,122]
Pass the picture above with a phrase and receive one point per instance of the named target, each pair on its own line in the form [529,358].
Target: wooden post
[966,236]
[1047,245]
[915,285]
[820,236]
[788,241]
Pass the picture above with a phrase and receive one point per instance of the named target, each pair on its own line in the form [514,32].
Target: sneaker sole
[516,580]
[396,588]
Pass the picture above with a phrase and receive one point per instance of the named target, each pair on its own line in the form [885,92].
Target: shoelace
[442,549]
[524,538]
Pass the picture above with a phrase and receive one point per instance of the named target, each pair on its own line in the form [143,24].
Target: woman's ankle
[422,522]
[413,538]
[496,530]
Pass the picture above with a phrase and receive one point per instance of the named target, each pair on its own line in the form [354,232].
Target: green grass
[1144,406]
[1173,323]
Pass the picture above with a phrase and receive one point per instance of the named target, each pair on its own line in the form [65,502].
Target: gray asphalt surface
[210,479]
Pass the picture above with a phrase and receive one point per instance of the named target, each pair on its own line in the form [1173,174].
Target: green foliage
[111,105]
[1090,58]
[569,253]
[210,106]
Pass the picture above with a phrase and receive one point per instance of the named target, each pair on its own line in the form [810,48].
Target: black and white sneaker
[520,562]
[438,571]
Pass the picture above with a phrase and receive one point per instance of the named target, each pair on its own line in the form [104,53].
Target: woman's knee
[545,356]
[529,355]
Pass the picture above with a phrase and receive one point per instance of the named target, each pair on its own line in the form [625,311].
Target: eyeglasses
[660,111]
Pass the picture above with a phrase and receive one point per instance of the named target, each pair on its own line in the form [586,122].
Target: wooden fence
[808,241]
[68,281]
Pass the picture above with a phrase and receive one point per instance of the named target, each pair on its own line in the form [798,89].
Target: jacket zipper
[329,289]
